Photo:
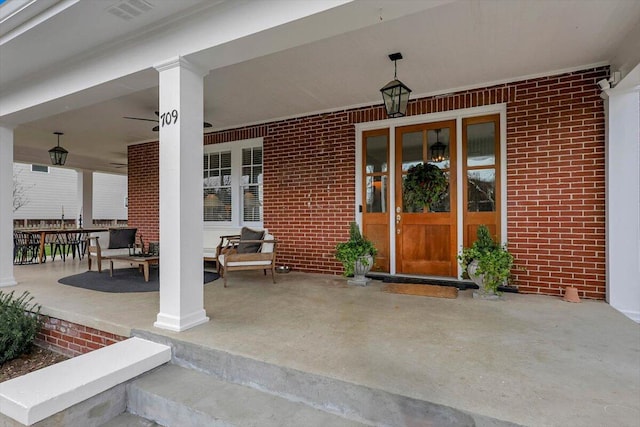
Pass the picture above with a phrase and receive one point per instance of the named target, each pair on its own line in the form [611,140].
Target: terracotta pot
[571,294]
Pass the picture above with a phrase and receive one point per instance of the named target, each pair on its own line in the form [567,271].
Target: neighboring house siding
[555,180]
[109,196]
[47,193]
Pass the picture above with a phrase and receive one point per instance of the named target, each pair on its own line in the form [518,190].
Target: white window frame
[235,147]
[40,166]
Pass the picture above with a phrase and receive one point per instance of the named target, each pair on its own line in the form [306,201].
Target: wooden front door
[426,237]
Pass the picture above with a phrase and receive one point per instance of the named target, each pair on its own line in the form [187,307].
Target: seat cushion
[122,237]
[267,248]
[221,260]
[248,234]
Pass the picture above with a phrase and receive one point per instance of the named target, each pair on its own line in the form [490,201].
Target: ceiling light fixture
[438,149]
[395,94]
[58,154]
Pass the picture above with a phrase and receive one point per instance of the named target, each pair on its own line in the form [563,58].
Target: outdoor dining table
[43,232]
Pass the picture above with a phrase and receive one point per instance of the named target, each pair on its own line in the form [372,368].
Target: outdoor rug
[123,280]
[434,291]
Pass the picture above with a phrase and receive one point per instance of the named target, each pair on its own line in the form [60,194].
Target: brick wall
[556,183]
[72,339]
[555,179]
[144,190]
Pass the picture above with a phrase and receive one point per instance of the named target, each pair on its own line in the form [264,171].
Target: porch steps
[129,420]
[206,386]
[177,396]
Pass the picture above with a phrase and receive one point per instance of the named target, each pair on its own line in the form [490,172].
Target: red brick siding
[555,179]
[144,190]
[73,339]
[556,184]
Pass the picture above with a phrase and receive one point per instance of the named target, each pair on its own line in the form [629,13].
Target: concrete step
[129,420]
[348,400]
[176,396]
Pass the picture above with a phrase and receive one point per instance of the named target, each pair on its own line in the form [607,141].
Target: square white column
[6,207]
[85,197]
[181,265]
[623,201]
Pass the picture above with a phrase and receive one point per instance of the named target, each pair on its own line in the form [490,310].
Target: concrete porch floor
[531,360]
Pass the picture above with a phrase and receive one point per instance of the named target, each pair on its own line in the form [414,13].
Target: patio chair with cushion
[251,250]
[122,241]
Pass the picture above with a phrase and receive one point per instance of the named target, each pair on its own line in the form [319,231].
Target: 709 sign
[169,118]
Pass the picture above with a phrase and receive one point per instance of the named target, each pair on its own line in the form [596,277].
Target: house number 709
[169,118]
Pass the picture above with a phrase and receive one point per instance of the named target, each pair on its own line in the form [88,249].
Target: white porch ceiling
[446,45]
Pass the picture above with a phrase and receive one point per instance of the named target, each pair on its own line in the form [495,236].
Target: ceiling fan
[157,128]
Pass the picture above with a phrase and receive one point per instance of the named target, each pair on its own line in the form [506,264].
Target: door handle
[398,218]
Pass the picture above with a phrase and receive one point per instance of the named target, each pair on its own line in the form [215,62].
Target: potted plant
[424,184]
[487,263]
[356,255]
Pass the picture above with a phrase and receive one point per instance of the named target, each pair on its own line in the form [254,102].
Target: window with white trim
[232,183]
[39,168]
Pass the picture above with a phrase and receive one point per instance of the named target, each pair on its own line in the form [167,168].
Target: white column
[181,269]
[6,207]
[85,197]
[623,202]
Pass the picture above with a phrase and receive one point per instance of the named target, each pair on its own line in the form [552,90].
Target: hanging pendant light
[438,149]
[58,154]
[395,94]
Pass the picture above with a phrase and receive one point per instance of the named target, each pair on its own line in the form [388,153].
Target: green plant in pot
[356,255]
[487,263]
[424,185]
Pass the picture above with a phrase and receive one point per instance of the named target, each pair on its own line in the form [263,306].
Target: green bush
[19,325]
[494,260]
[357,246]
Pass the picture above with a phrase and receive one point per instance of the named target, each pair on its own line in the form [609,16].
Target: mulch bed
[38,358]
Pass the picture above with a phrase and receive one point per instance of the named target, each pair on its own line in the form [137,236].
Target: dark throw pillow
[122,237]
[249,234]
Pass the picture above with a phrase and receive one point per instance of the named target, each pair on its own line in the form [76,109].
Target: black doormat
[123,280]
[460,284]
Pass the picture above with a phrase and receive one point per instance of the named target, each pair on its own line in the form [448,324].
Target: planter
[360,269]
[482,292]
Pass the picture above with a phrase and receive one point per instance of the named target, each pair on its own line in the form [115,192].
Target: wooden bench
[121,241]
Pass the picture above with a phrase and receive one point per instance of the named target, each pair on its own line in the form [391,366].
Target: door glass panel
[481,142]
[377,194]
[411,149]
[377,154]
[444,205]
[481,185]
[438,149]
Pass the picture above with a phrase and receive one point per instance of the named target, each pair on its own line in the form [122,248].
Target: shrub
[494,260]
[357,246]
[19,325]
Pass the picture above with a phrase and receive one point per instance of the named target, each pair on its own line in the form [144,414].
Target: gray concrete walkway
[531,360]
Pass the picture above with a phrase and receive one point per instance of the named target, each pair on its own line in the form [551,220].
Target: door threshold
[433,280]
[423,280]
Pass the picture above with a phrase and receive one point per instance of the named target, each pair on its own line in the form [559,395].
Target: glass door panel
[375,211]
[481,149]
